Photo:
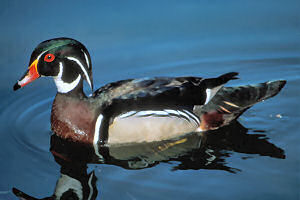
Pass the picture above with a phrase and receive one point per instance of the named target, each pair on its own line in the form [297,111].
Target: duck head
[82,186]
[64,59]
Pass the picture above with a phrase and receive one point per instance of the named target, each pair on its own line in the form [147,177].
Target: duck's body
[134,110]
[78,120]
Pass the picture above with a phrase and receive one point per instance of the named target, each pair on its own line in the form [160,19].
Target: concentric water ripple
[27,120]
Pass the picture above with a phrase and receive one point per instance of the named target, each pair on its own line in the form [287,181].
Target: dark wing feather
[162,92]
[151,92]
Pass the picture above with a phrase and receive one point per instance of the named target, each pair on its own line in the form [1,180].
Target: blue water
[130,39]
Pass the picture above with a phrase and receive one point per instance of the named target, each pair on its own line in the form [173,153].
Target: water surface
[259,39]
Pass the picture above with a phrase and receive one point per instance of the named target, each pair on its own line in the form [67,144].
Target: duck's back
[157,93]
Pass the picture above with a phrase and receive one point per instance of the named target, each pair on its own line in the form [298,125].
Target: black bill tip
[16,86]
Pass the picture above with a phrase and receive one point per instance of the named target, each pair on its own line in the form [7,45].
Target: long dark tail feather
[221,80]
[230,102]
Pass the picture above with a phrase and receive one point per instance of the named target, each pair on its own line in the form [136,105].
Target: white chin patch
[62,86]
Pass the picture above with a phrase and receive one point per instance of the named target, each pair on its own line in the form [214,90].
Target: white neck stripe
[62,86]
[86,58]
[82,68]
[96,136]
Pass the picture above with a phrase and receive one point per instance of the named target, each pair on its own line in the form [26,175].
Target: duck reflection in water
[195,151]
[74,183]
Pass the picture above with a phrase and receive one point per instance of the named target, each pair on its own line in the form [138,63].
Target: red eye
[49,57]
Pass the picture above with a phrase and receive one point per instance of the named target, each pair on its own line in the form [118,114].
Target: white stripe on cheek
[86,58]
[82,68]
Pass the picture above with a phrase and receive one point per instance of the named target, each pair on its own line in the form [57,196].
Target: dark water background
[259,39]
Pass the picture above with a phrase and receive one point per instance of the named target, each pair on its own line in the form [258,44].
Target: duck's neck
[76,92]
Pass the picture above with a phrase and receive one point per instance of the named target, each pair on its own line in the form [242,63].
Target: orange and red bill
[30,75]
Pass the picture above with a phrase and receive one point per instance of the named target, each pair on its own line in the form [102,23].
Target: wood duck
[134,110]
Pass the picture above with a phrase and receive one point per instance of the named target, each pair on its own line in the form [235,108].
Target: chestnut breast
[73,119]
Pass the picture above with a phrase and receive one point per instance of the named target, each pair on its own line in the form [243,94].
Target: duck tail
[230,102]
[213,85]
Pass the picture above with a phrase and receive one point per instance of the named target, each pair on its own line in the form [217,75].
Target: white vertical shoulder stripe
[96,136]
